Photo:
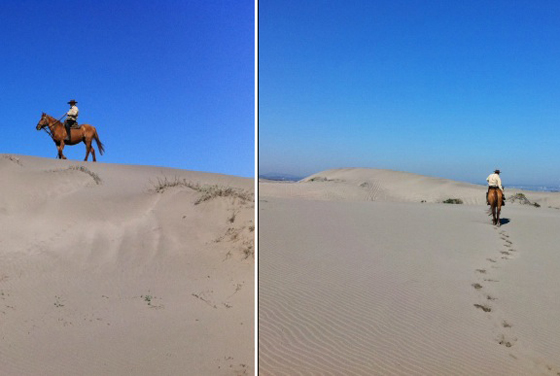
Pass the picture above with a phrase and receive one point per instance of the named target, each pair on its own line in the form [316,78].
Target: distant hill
[360,184]
[538,188]
[280,177]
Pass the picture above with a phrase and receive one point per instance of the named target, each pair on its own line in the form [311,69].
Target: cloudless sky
[453,89]
[166,83]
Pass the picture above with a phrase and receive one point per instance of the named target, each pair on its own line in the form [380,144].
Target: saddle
[74,125]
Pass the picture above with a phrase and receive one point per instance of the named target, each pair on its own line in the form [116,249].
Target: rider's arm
[500,184]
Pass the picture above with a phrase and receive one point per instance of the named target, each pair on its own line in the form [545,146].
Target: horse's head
[43,122]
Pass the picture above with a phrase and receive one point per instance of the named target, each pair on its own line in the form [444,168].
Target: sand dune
[358,184]
[124,270]
[357,276]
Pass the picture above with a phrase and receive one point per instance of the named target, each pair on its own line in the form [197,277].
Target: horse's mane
[52,118]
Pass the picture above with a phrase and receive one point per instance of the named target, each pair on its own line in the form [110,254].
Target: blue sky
[166,83]
[453,89]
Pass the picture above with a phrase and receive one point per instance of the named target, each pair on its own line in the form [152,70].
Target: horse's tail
[99,143]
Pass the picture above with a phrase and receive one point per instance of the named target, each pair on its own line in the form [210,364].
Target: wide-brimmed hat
[72,101]
[497,171]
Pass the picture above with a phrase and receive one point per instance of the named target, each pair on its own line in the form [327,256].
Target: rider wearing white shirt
[71,117]
[494,181]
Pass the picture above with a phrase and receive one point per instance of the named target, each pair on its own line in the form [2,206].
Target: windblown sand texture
[112,269]
[367,272]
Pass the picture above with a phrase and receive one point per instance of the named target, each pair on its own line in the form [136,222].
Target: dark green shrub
[453,201]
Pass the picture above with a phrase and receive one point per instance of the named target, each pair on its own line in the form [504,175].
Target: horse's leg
[494,207]
[498,219]
[499,197]
[60,148]
[88,147]
[93,154]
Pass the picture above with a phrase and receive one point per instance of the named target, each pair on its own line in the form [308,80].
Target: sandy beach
[110,269]
[368,272]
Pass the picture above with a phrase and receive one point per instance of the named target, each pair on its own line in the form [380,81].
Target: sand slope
[102,274]
[359,184]
[356,283]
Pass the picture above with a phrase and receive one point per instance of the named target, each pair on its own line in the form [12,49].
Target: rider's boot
[68,134]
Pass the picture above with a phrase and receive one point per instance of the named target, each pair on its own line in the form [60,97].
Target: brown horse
[495,200]
[86,134]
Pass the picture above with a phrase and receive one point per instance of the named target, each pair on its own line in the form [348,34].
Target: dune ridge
[360,184]
[101,273]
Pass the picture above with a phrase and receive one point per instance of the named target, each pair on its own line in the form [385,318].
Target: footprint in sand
[484,307]
[506,340]
[477,286]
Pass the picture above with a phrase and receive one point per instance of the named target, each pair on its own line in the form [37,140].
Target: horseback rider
[494,181]
[71,118]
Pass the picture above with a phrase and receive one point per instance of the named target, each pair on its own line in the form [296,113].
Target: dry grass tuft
[208,192]
[13,159]
[453,201]
[249,251]
[83,169]
[94,176]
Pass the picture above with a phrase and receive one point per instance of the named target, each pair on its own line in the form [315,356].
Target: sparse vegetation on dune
[95,177]
[207,192]
[249,251]
[453,201]
[318,178]
[324,179]
[83,169]
[211,191]
[239,237]
[522,199]
[13,159]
